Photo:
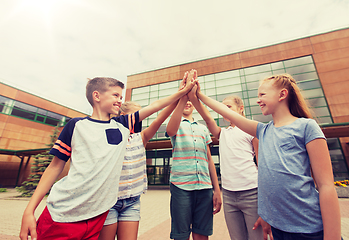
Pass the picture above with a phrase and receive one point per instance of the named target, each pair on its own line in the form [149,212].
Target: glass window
[51,121]
[154,87]
[333,143]
[228,74]
[140,96]
[317,102]
[323,120]
[257,77]
[256,110]
[166,92]
[309,84]
[154,94]
[253,85]
[140,90]
[298,61]
[305,76]
[40,118]
[144,102]
[210,92]
[312,93]
[253,101]
[336,154]
[229,89]
[209,78]
[227,82]
[257,69]
[277,65]
[173,84]
[24,110]
[281,71]
[209,85]
[321,112]
[301,69]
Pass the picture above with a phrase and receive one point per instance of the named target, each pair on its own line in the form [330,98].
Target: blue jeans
[281,235]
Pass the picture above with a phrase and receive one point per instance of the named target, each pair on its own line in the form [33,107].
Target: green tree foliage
[39,165]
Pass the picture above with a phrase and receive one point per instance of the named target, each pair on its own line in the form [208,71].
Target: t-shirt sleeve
[62,147]
[313,131]
[131,122]
[260,127]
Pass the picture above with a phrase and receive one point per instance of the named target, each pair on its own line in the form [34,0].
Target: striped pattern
[190,165]
[133,179]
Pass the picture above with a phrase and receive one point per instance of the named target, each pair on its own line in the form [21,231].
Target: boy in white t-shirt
[78,203]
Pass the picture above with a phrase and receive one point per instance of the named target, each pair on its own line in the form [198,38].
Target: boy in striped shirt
[193,174]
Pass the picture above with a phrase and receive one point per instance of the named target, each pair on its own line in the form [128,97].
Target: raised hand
[184,81]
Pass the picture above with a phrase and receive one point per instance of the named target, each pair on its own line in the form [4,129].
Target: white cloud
[51,51]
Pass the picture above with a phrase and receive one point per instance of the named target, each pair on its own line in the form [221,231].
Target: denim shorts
[191,211]
[127,209]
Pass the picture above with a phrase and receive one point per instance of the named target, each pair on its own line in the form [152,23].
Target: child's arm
[320,162]
[175,120]
[149,132]
[205,114]
[161,103]
[47,180]
[246,125]
[217,200]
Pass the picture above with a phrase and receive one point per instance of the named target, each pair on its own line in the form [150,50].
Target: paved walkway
[155,216]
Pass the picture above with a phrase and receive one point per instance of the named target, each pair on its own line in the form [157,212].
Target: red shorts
[48,229]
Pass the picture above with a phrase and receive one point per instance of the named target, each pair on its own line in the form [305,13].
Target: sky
[50,48]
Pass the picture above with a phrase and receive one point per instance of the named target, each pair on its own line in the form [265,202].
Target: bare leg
[108,232]
[127,230]
[199,237]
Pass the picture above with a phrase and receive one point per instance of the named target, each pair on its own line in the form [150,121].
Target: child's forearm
[47,180]
[330,212]
[246,125]
[149,132]
[205,114]
[175,120]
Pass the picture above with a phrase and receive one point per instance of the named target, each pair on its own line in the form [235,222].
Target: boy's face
[110,100]
[188,109]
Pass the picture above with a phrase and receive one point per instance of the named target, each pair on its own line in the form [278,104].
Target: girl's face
[232,106]
[268,97]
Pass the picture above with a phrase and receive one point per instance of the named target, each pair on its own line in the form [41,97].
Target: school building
[26,124]
[320,65]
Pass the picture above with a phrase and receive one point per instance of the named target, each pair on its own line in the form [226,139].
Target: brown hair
[128,107]
[296,102]
[100,84]
[237,101]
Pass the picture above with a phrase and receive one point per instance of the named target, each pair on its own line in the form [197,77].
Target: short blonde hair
[100,84]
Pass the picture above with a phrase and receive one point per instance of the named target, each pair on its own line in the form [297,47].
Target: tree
[41,162]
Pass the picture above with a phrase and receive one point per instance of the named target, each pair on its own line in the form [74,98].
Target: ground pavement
[155,216]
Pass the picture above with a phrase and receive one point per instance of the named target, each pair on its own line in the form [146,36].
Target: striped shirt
[190,164]
[133,179]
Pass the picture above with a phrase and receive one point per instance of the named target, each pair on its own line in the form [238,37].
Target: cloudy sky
[50,47]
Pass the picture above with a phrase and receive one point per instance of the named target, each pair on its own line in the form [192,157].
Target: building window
[15,108]
[244,83]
